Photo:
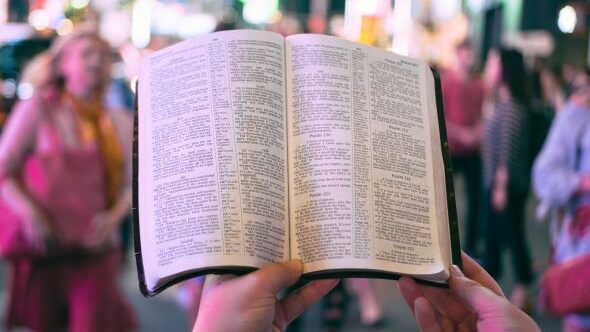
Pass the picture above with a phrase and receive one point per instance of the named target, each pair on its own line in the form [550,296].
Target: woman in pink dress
[63,172]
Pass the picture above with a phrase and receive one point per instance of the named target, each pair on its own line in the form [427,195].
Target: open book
[252,148]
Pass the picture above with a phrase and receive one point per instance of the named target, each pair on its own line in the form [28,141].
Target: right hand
[474,302]
[36,229]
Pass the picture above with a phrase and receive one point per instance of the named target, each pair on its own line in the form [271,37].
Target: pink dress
[70,288]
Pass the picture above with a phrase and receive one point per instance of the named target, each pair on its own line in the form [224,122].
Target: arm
[510,137]
[554,179]
[18,140]
[106,223]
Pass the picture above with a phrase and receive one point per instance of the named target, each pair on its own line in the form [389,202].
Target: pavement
[162,313]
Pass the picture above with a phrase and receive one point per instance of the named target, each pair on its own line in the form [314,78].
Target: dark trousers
[470,166]
[506,229]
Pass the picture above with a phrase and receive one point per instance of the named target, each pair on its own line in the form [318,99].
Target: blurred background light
[260,11]
[142,23]
[64,27]
[567,19]
[9,88]
[196,24]
[475,6]
[25,90]
[442,11]
[39,19]
[79,4]
[402,21]
[3,11]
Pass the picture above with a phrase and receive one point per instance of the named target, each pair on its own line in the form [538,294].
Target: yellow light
[79,4]
[65,27]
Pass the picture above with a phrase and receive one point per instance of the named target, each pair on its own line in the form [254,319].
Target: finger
[295,304]
[425,315]
[274,277]
[212,280]
[475,272]
[480,298]
[410,291]
[447,303]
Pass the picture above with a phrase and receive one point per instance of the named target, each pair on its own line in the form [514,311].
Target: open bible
[253,148]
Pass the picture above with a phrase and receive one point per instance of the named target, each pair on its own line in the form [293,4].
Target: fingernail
[456,271]
[295,265]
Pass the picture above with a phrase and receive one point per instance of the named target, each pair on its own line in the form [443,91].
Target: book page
[212,169]
[361,146]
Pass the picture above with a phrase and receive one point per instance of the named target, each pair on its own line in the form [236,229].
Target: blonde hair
[43,71]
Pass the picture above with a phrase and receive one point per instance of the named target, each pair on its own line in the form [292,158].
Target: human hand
[249,303]
[102,229]
[37,230]
[475,302]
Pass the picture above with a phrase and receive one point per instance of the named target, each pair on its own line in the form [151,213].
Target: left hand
[249,303]
[474,302]
[103,226]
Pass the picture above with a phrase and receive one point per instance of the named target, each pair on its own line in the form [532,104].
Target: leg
[42,301]
[95,299]
[472,171]
[516,236]
[516,239]
[334,307]
[494,229]
[368,304]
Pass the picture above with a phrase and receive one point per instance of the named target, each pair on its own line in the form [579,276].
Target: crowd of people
[506,127]
[65,158]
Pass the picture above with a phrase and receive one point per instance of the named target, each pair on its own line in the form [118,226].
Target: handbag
[564,288]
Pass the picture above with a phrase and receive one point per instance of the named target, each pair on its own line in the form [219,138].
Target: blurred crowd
[512,128]
[516,127]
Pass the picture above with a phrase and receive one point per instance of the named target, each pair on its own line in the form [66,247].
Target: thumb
[277,276]
[480,298]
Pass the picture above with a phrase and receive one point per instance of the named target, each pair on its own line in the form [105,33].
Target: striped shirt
[506,142]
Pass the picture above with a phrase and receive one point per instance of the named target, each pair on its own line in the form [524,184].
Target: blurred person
[561,178]
[548,98]
[506,168]
[568,75]
[249,303]
[369,307]
[65,171]
[463,95]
